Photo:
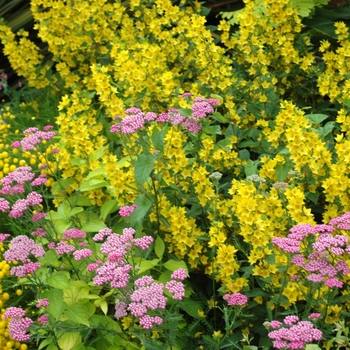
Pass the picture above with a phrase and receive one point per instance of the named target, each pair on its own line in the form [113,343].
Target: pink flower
[236,299]
[120,310]
[64,248]
[73,233]
[127,210]
[176,288]
[179,274]
[4,205]
[82,254]
[132,123]
[43,303]
[18,324]
[44,319]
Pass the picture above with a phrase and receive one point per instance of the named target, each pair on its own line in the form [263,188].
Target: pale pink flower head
[235,299]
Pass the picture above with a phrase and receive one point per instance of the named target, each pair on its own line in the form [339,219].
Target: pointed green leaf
[67,340]
[147,265]
[104,306]
[108,207]
[143,167]
[56,307]
[58,281]
[174,265]
[159,247]
[93,184]
[94,226]
[78,313]
[143,205]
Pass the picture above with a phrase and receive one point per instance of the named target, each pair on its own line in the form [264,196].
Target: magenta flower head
[132,123]
[127,210]
[293,334]
[4,205]
[73,233]
[179,274]
[236,299]
[19,324]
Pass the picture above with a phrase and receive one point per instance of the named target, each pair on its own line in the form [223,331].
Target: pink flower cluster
[18,324]
[43,303]
[323,261]
[148,297]
[13,184]
[22,248]
[73,233]
[127,210]
[235,299]
[136,119]
[293,333]
[19,177]
[33,137]
[115,271]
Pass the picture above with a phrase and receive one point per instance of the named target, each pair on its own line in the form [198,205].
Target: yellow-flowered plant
[268,158]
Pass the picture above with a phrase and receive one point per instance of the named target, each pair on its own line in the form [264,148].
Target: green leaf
[312,347]
[93,184]
[251,168]
[186,112]
[143,205]
[158,139]
[143,167]
[44,343]
[191,307]
[313,197]
[67,340]
[305,7]
[78,313]
[61,185]
[159,247]
[74,294]
[77,161]
[212,129]
[52,347]
[282,170]
[219,117]
[56,307]
[244,154]
[174,265]
[108,207]
[75,210]
[97,154]
[58,281]
[125,161]
[247,143]
[316,118]
[104,306]
[94,226]
[81,200]
[147,265]
[96,172]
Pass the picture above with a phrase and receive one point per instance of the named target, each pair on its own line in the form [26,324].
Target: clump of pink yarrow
[324,260]
[24,249]
[293,333]
[18,325]
[136,119]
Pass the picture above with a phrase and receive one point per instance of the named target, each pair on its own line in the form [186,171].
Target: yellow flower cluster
[334,81]
[265,45]
[24,57]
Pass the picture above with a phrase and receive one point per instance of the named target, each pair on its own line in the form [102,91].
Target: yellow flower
[201,314]
[217,335]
